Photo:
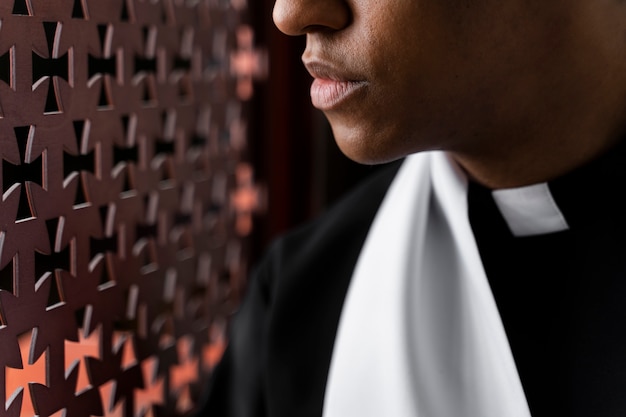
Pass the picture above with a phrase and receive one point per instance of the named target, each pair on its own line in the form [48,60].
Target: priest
[484,273]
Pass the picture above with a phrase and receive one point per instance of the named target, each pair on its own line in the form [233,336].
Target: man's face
[395,77]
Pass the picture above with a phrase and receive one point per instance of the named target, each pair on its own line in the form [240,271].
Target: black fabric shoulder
[310,270]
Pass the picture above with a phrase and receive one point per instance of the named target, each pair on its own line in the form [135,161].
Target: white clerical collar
[530,210]
[420,334]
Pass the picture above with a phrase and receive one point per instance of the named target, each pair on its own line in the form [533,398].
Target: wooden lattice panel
[124,200]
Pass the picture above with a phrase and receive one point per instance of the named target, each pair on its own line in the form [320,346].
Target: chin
[370,146]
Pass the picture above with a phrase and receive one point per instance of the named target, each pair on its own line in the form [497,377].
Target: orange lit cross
[246,199]
[247,63]
[181,376]
[33,371]
[76,352]
[154,391]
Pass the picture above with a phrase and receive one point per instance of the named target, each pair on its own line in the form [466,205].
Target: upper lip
[326,71]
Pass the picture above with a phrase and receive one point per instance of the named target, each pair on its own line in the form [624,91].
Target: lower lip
[327,94]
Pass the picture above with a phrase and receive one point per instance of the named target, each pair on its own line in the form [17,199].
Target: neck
[535,158]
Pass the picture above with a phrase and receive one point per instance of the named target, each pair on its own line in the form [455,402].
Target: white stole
[420,334]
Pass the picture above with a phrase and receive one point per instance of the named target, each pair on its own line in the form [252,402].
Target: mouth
[331,87]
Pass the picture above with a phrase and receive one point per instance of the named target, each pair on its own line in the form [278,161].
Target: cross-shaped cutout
[77,352]
[127,154]
[146,66]
[105,66]
[81,162]
[153,392]
[184,374]
[182,64]
[48,266]
[108,243]
[247,62]
[52,68]
[33,371]
[246,199]
[30,170]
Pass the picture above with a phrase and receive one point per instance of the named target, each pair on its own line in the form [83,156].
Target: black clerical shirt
[562,296]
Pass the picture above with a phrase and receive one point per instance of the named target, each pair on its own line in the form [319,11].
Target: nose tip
[298,17]
[286,18]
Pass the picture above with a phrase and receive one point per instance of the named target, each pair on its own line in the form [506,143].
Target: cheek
[422,85]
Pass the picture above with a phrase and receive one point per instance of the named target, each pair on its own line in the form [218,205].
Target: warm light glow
[75,354]
[153,392]
[184,374]
[33,372]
